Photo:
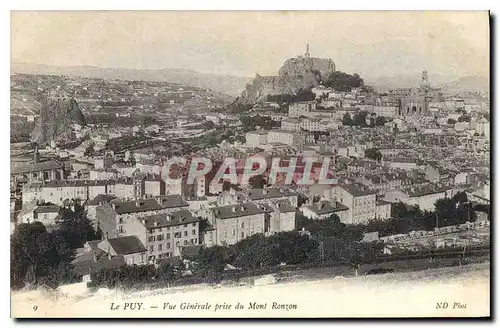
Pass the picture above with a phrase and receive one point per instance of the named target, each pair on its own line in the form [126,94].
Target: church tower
[307,55]
[425,80]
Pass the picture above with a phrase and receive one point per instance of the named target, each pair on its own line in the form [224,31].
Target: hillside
[473,83]
[302,72]
[226,84]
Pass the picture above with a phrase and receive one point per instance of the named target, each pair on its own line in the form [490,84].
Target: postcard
[250,164]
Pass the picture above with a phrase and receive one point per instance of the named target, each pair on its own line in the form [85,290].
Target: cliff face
[57,115]
[296,73]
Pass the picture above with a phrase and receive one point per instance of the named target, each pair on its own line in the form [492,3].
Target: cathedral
[415,101]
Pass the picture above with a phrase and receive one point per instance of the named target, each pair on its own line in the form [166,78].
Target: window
[242,224]
[159,238]
[151,238]
[194,241]
[167,236]
[177,243]
[194,232]
[177,235]
[234,232]
[242,234]
[120,221]
[168,245]
[185,242]
[151,248]
[185,233]
[120,229]
[160,246]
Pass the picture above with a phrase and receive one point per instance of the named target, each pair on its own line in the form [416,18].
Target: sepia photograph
[250,164]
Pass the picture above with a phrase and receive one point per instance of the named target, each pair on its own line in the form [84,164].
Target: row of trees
[128,276]
[300,95]
[39,256]
[254,252]
[360,119]
[339,242]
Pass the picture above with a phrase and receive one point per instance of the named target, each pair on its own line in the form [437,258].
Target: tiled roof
[239,210]
[171,201]
[356,189]
[168,220]
[127,245]
[101,199]
[47,209]
[35,167]
[325,207]
[142,205]
[256,194]
[85,263]
[284,205]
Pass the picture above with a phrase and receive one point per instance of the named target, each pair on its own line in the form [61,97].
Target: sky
[372,44]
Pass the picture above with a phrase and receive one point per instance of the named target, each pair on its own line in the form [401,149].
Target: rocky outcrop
[302,72]
[57,115]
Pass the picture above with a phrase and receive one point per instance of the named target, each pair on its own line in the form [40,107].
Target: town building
[360,200]
[324,209]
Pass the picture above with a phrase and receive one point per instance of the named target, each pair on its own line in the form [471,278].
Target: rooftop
[127,245]
[35,167]
[256,194]
[47,209]
[142,205]
[170,201]
[357,189]
[101,199]
[169,220]
[325,207]
[239,210]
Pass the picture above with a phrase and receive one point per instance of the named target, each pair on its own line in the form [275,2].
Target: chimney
[109,252]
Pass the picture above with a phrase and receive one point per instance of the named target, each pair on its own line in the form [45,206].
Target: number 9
[35,307]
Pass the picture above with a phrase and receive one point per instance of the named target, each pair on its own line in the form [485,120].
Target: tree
[346,119]
[341,81]
[380,121]
[38,256]
[374,154]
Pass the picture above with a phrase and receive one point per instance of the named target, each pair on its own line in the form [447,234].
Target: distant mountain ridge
[227,84]
[448,83]
[473,83]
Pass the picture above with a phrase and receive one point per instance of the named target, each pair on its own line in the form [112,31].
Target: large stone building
[415,101]
[360,200]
